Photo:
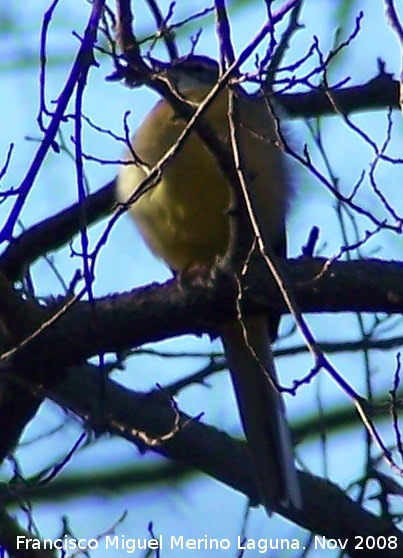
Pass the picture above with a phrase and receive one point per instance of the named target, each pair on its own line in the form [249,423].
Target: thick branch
[56,231]
[160,311]
[157,312]
[327,510]
[380,92]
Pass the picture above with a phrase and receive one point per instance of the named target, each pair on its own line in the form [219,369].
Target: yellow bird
[184,220]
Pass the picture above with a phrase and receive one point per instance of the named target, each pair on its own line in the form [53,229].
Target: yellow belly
[184,219]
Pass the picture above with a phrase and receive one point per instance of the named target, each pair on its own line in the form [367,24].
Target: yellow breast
[184,219]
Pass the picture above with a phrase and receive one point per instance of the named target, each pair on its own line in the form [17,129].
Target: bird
[185,220]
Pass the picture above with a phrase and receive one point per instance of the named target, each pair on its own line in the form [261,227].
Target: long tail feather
[262,411]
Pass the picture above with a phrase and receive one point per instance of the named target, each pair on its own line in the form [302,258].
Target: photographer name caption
[180,542]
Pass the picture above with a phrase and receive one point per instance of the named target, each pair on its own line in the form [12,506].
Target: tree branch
[137,416]
[380,92]
[161,311]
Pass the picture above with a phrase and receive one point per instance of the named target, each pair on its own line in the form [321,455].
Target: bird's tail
[262,410]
